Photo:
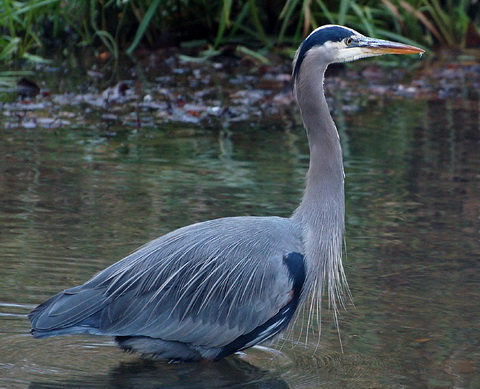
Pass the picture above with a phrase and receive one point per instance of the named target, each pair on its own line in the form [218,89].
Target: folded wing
[206,284]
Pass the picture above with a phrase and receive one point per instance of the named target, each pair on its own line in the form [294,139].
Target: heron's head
[331,43]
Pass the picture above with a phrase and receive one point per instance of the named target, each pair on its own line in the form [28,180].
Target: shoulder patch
[296,269]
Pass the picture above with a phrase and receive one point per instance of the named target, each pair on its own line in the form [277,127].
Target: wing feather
[204,284]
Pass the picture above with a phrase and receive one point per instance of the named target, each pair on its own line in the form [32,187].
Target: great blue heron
[213,288]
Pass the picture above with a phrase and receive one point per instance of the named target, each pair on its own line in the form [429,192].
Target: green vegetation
[30,29]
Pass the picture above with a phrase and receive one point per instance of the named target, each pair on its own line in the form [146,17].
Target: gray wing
[204,284]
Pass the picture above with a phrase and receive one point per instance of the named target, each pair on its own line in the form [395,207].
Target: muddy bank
[170,87]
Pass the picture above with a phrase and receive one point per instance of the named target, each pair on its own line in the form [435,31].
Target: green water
[74,201]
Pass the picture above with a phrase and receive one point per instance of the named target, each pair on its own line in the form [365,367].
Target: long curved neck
[321,214]
[324,194]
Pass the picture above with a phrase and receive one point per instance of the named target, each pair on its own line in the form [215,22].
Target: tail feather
[73,311]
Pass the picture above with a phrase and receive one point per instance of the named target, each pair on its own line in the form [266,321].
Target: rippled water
[73,202]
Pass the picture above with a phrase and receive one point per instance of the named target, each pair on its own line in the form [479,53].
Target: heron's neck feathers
[321,213]
[324,193]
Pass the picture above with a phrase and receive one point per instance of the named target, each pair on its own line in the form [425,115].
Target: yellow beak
[380,46]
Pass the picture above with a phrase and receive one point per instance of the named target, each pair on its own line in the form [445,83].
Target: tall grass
[444,23]
[426,22]
[29,27]
[19,21]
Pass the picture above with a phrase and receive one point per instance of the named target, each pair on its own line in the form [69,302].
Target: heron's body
[234,278]
[210,289]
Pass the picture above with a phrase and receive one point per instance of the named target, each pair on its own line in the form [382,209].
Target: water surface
[74,201]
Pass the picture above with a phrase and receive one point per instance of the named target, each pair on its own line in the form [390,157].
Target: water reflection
[416,248]
[229,373]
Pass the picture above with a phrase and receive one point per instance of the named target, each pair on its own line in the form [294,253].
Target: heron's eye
[348,41]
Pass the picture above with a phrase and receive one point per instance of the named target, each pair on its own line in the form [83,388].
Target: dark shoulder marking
[296,269]
[318,38]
